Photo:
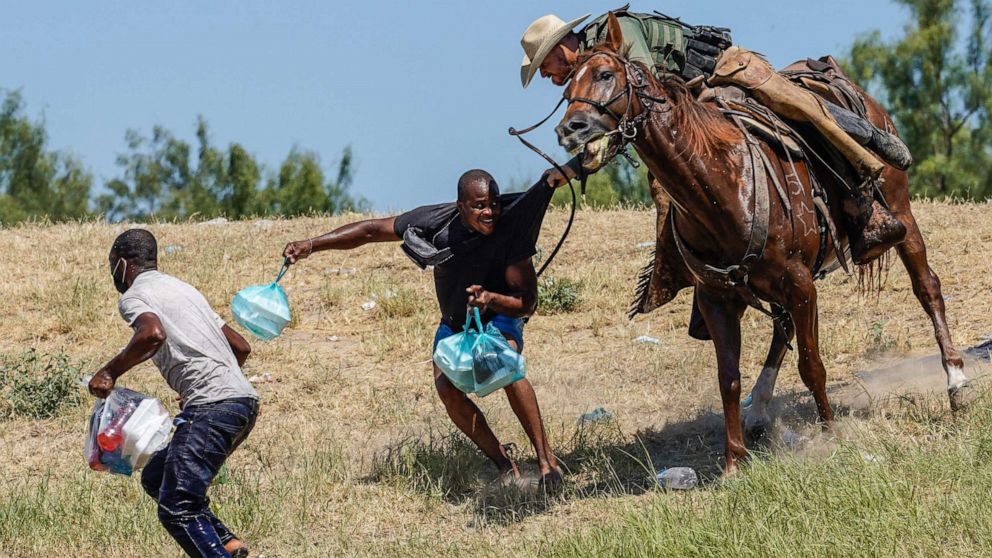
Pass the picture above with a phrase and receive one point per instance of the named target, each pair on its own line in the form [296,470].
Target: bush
[557,296]
[38,386]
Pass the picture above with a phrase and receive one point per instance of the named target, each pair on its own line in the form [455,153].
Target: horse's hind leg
[801,305]
[926,287]
[757,419]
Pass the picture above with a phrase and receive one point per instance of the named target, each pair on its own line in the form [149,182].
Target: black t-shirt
[483,260]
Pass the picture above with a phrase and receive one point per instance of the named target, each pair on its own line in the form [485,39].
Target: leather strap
[736,276]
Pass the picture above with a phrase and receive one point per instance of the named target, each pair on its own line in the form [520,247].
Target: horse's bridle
[627,127]
[627,124]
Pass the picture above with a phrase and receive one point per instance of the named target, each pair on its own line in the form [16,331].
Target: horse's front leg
[757,419]
[801,305]
[722,312]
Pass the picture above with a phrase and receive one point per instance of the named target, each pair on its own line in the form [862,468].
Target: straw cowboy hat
[538,40]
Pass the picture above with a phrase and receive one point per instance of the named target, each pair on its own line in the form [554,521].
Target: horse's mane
[704,128]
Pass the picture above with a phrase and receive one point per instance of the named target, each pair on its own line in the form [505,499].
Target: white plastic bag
[125,430]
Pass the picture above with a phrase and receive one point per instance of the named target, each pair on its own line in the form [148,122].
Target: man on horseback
[703,55]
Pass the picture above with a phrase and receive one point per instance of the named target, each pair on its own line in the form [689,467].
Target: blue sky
[421,91]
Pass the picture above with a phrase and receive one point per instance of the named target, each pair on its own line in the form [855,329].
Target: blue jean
[511,328]
[178,476]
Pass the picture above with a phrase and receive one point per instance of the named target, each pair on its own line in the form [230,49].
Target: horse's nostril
[577,126]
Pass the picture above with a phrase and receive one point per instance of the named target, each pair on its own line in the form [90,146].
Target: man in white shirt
[200,358]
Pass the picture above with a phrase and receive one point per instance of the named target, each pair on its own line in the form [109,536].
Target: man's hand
[554,178]
[299,250]
[479,297]
[101,383]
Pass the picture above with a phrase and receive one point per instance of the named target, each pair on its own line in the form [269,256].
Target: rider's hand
[299,250]
[479,297]
[101,383]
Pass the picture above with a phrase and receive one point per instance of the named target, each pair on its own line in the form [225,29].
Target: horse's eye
[603,76]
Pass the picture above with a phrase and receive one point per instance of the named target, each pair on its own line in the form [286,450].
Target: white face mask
[121,286]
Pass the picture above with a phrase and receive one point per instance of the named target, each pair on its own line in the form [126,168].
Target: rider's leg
[888,146]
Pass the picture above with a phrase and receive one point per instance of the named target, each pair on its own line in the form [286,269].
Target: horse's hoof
[757,432]
[962,396]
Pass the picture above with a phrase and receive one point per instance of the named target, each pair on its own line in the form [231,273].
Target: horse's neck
[703,186]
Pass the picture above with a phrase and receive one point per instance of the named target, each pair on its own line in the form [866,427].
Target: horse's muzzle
[578,129]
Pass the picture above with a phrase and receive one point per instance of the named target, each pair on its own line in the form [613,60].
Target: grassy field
[353,455]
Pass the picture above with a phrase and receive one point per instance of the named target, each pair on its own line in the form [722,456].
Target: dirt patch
[910,378]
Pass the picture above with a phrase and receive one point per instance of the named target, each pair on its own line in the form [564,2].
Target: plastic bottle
[115,463]
[111,437]
[677,478]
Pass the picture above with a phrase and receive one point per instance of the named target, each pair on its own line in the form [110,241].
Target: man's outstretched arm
[347,237]
[149,335]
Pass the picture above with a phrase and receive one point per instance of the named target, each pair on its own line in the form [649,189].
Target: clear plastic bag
[262,309]
[125,430]
[495,364]
[478,360]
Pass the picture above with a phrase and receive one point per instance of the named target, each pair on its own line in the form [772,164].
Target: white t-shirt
[196,359]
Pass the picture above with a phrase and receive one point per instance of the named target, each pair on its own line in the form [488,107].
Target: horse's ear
[614,37]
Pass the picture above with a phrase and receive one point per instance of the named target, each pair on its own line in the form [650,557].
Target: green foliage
[616,184]
[162,180]
[34,181]
[558,295]
[37,386]
[936,82]
[301,188]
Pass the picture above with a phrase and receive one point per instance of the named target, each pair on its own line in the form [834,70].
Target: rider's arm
[347,237]
[633,39]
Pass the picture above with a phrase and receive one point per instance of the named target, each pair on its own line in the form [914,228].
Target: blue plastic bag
[263,309]
[479,360]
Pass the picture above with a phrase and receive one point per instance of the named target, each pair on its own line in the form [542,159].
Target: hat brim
[529,67]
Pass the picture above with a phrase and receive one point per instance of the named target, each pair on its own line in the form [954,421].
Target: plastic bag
[263,309]
[495,364]
[478,360]
[125,430]
[453,355]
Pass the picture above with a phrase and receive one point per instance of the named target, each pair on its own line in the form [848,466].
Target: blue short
[511,328]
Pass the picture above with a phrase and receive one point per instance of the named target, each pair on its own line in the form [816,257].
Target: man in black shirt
[484,244]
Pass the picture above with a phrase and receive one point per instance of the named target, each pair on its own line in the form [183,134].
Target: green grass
[558,295]
[917,485]
[38,386]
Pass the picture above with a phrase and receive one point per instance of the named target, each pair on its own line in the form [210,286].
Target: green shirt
[658,44]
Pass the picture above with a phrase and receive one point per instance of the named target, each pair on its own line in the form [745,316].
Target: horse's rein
[571,216]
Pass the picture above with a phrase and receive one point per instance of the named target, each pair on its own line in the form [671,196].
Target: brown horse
[744,242]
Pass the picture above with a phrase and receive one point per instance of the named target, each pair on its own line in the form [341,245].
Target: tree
[936,82]
[161,179]
[36,182]
[300,186]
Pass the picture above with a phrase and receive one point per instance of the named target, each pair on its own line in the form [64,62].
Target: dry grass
[353,453]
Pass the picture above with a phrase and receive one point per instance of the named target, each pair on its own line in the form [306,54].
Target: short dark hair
[475,176]
[137,246]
